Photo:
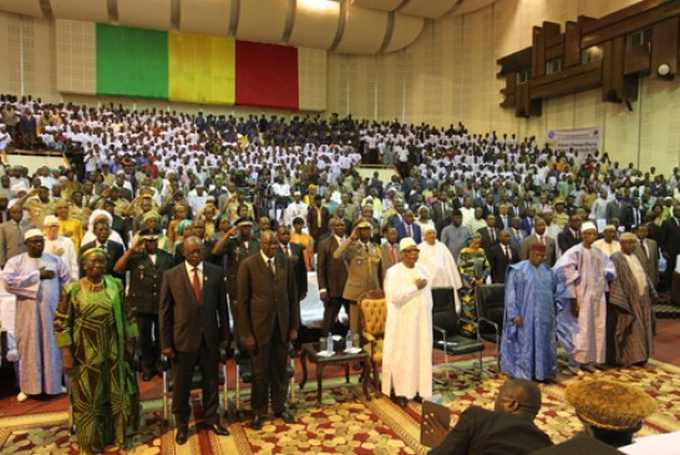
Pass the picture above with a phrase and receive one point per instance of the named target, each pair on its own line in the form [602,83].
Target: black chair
[196,382]
[490,304]
[446,329]
[244,373]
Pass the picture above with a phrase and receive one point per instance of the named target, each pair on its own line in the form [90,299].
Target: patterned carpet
[50,434]
[666,310]
[346,422]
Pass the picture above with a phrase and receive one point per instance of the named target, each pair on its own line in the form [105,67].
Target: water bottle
[348,341]
[329,342]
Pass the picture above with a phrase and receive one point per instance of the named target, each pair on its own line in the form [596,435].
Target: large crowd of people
[175,217]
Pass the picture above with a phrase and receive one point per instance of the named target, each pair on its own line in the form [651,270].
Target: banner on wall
[583,141]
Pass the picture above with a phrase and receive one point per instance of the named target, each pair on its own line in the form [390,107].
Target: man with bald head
[268,319]
[508,429]
[194,322]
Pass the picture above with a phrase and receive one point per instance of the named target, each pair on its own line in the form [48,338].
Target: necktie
[507,253]
[409,232]
[645,249]
[541,240]
[318,217]
[492,235]
[394,254]
[197,285]
[636,217]
[270,265]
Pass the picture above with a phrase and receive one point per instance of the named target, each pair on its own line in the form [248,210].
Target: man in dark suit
[528,221]
[12,234]
[147,264]
[102,231]
[390,249]
[408,228]
[490,233]
[570,235]
[501,256]
[647,253]
[440,213]
[540,237]
[503,219]
[268,320]
[297,260]
[517,234]
[194,325]
[317,219]
[670,243]
[508,429]
[398,216]
[631,215]
[236,245]
[614,208]
[488,207]
[332,275]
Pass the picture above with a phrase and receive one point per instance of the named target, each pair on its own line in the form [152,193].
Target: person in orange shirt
[303,239]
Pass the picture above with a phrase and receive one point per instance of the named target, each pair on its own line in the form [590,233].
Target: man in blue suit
[408,228]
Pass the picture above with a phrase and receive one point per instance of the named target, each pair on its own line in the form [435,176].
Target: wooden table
[310,351]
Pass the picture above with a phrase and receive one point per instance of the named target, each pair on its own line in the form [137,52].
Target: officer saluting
[146,264]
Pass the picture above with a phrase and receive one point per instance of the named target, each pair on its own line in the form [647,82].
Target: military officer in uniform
[364,264]
[146,264]
[237,244]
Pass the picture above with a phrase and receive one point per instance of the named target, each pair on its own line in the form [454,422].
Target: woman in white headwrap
[438,261]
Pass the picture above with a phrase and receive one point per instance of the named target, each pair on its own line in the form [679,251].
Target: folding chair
[244,373]
[490,304]
[446,332]
[196,382]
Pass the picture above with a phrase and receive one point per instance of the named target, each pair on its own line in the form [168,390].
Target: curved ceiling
[343,26]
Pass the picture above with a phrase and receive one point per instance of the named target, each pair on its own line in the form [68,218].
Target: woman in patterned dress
[94,328]
[474,271]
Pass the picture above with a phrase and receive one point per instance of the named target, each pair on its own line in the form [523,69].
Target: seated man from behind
[509,429]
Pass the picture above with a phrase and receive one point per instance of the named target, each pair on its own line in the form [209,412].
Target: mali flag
[195,68]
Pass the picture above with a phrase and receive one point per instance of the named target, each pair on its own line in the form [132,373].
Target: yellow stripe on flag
[202,69]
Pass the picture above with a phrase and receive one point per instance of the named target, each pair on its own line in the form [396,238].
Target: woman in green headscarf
[474,270]
[185,229]
[95,330]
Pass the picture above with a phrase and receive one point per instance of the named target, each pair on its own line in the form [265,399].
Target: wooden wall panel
[621,67]
[572,41]
[665,45]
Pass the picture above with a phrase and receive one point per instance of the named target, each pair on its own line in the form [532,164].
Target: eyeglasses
[411,250]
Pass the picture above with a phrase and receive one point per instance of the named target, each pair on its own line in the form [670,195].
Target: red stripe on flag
[266,75]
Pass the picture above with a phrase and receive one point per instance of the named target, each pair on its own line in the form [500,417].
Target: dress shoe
[257,423]
[588,367]
[401,401]
[22,397]
[182,434]
[418,398]
[146,376]
[287,417]
[217,428]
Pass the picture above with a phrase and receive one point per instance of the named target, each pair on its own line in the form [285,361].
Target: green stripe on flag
[132,62]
